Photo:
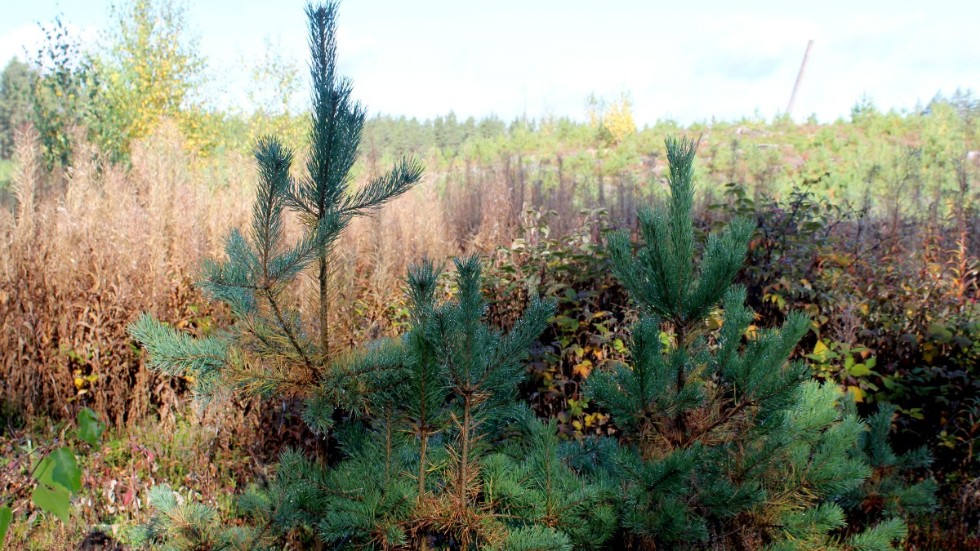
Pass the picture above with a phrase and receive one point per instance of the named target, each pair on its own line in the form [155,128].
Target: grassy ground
[187,452]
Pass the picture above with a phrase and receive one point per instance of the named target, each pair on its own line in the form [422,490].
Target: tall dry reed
[79,266]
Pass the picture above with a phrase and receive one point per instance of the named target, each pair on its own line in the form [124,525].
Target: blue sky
[710,59]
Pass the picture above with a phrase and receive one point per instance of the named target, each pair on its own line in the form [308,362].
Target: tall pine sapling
[335,135]
[268,350]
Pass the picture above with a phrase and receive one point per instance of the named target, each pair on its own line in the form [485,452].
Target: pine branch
[400,179]
[270,297]
[274,161]
[174,352]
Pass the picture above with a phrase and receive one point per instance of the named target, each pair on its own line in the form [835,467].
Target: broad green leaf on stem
[619,346]
[53,499]
[89,426]
[60,468]
[6,516]
[567,324]
[859,370]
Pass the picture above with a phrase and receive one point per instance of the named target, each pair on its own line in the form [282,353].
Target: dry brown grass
[372,259]
[79,266]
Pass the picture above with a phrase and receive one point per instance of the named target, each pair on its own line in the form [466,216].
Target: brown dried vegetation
[79,264]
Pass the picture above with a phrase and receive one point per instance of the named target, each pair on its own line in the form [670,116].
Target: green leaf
[89,426]
[566,324]
[619,346]
[6,516]
[54,500]
[859,370]
[60,468]
[940,333]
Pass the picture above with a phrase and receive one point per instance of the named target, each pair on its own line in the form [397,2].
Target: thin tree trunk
[324,309]
[422,451]
[464,454]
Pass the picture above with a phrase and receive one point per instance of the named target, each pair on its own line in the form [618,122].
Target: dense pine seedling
[726,442]
[446,456]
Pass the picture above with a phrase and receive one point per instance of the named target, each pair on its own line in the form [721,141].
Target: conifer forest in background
[329,329]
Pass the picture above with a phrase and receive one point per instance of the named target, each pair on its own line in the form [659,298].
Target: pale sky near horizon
[712,59]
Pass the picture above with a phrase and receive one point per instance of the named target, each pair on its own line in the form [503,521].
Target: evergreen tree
[726,442]
[538,488]
[896,488]
[269,351]
[441,455]
[182,526]
[335,135]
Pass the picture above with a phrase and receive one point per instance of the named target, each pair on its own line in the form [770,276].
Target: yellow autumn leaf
[820,349]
